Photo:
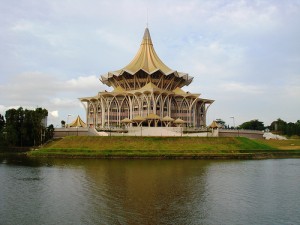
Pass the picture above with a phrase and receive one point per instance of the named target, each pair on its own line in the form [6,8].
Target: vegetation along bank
[168,147]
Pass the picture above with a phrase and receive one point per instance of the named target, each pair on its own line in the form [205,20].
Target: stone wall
[252,134]
[63,132]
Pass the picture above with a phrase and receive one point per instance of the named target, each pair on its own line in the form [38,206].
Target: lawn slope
[161,147]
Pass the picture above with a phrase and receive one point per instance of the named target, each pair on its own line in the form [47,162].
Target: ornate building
[146,93]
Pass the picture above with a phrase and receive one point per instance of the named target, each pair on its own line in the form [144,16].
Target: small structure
[179,122]
[138,120]
[126,121]
[214,128]
[78,122]
[167,121]
[214,125]
[152,117]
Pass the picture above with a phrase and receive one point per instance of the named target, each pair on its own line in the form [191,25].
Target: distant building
[146,93]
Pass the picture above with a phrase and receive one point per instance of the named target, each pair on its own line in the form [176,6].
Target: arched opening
[99,115]
[113,113]
[124,110]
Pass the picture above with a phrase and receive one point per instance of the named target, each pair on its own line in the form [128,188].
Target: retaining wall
[252,134]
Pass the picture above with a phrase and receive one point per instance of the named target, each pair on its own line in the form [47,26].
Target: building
[146,93]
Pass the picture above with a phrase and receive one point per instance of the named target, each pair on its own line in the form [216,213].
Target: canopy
[179,121]
[152,116]
[138,118]
[214,124]
[78,122]
[126,120]
[167,119]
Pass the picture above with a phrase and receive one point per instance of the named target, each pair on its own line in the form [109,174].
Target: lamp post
[233,121]
[68,119]
[68,122]
[238,132]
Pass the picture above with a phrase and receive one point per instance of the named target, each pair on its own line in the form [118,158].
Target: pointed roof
[167,119]
[77,123]
[178,120]
[119,89]
[179,91]
[150,87]
[214,124]
[138,118]
[126,120]
[147,60]
[152,116]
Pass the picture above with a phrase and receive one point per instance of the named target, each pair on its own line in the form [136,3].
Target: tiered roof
[146,60]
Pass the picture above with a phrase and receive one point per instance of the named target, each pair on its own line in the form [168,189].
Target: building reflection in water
[146,191]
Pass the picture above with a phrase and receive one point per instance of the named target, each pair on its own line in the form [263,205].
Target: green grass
[172,147]
[290,144]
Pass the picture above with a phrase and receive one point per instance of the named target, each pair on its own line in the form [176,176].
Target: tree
[63,123]
[297,127]
[2,123]
[221,123]
[278,125]
[252,125]
[285,128]
[49,132]
[12,127]
[26,127]
[2,127]
[290,129]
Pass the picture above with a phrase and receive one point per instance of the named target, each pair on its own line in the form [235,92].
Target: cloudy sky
[243,54]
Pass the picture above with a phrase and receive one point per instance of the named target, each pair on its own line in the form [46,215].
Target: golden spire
[146,58]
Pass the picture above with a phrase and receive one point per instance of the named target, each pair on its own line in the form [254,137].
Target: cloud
[58,96]
[241,88]
[22,26]
[243,54]
[54,113]
[83,83]
[4,108]
[114,39]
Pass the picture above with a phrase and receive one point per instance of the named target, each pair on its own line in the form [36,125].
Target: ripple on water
[151,192]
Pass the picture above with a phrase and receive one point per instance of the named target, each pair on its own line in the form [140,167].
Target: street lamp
[68,119]
[68,122]
[238,132]
[233,121]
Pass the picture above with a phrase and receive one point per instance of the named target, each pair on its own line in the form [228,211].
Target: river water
[73,191]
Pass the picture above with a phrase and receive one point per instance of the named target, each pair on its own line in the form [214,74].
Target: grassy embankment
[168,147]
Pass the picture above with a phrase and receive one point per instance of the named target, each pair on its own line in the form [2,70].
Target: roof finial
[147,18]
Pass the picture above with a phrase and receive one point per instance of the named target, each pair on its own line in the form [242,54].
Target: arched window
[164,108]
[124,109]
[99,115]
[184,111]
[145,107]
[91,115]
[159,105]
[113,113]
[135,107]
[174,109]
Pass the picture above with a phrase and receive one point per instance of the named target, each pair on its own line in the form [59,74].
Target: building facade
[146,93]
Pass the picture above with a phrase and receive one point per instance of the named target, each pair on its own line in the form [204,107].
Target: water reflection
[61,191]
[146,191]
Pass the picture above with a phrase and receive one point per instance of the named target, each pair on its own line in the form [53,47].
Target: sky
[243,54]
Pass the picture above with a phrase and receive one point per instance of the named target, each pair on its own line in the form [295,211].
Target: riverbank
[168,147]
